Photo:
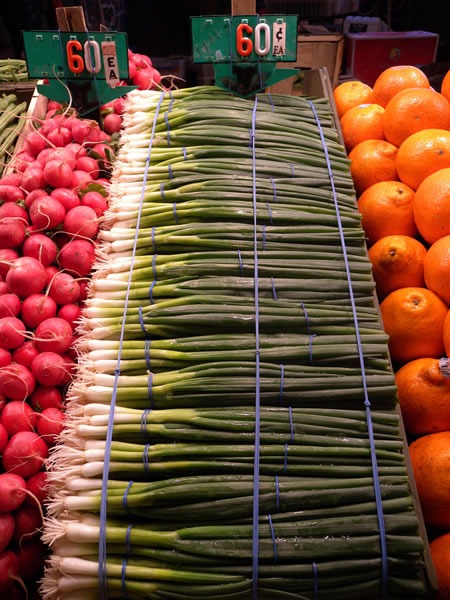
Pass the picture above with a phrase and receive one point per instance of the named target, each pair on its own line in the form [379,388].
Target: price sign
[93,63]
[249,38]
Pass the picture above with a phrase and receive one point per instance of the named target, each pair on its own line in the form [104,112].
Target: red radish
[96,201]
[4,289]
[53,335]
[12,178]
[67,196]
[31,196]
[25,354]
[36,142]
[103,151]
[141,60]
[81,221]
[60,136]
[84,289]
[49,369]
[13,490]
[10,305]
[88,164]
[5,357]
[50,424]
[47,212]
[85,130]
[28,521]
[11,193]
[58,173]
[51,272]
[54,105]
[7,256]
[37,308]
[131,69]
[3,401]
[40,247]
[33,178]
[144,78]
[37,485]
[80,179]
[70,313]
[12,332]
[7,526]
[77,149]
[24,454]
[17,382]
[70,367]
[65,154]
[26,276]
[112,122]
[3,437]
[12,233]
[9,570]
[63,289]
[14,211]
[46,396]
[21,160]
[77,257]
[18,416]
[119,105]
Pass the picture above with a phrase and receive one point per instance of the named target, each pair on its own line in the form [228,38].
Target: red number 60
[74,61]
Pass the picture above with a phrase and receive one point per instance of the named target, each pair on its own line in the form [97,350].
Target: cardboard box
[367,54]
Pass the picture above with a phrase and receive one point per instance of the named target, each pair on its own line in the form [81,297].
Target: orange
[397,262]
[421,154]
[351,93]
[414,109]
[413,318]
[387,208]
[436,268]
[423,394]
[396,78]
[446,335]
[445,86]
[430,460]
[372,161]
[440,557]
[431,206]
[362,122]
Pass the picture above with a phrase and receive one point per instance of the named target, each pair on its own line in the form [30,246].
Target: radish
[33,178]
[96,201]
[88,164]
[85,130]
[112,122]
[12,332]
[80,179]
[10,305]
[24,454]
[12,233]
[13,491]
[17,382]
[67,196]
[25,353]
[5,357]
[50,424]
[77,257]
[7,256]
[12,178]
[36,142]
[47,212]
[40,247]
[37,487]
[7,526]
[50,272]
[37,308]
[81,221]
[11,193]
[3,437]
[145,78]
[65,155]
[21,160]
[9,570]
[59,136]
[63,289]
[14,210]
[31,196]
[28,521]
[50,369]
[58,173]
[53,335]
[46,396]
[18,416]
[26,276]
[70,313]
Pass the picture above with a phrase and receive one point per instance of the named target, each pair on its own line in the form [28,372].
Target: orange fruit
[436,268]
[431,206]
[414,109]
[440,557]
[421,154]
[351,93]
[372,161]
[386,208]
[413,318]
[362,122]
[396,78]
[430,460]
[446,335]
[423,394]
[397,262]
[445,86]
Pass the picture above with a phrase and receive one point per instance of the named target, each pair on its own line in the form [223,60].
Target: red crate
[367,54]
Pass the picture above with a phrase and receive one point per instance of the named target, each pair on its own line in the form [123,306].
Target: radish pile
[52,201]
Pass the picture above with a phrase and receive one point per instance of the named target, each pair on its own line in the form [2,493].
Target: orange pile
[402,185]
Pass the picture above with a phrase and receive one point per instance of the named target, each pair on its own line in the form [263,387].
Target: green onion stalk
[233,429]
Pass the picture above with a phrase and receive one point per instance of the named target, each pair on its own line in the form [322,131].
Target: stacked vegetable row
[232,431]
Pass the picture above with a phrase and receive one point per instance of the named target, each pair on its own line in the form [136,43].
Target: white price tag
[279,39]
[110,63]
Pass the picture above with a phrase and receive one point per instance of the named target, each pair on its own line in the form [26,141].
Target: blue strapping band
[145,457]
[291,424]
[150,292]
[143,427]
[255,541]
[274,539]
[125,496]
[169,171]
[377,487]
[269,210]
[128,540]
[184,153]
[150,388]
[102,579]
[141,320]
[292,169]
[281,383]
[306,318]
[154,257]
[241,265]
[124,578]
[162,190]
[277,493]
[316,581]
[311,337]
[175,213]
[286,451]
[147,345]
[274,289]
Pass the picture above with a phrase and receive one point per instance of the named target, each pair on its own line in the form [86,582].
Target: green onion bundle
[233,430]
